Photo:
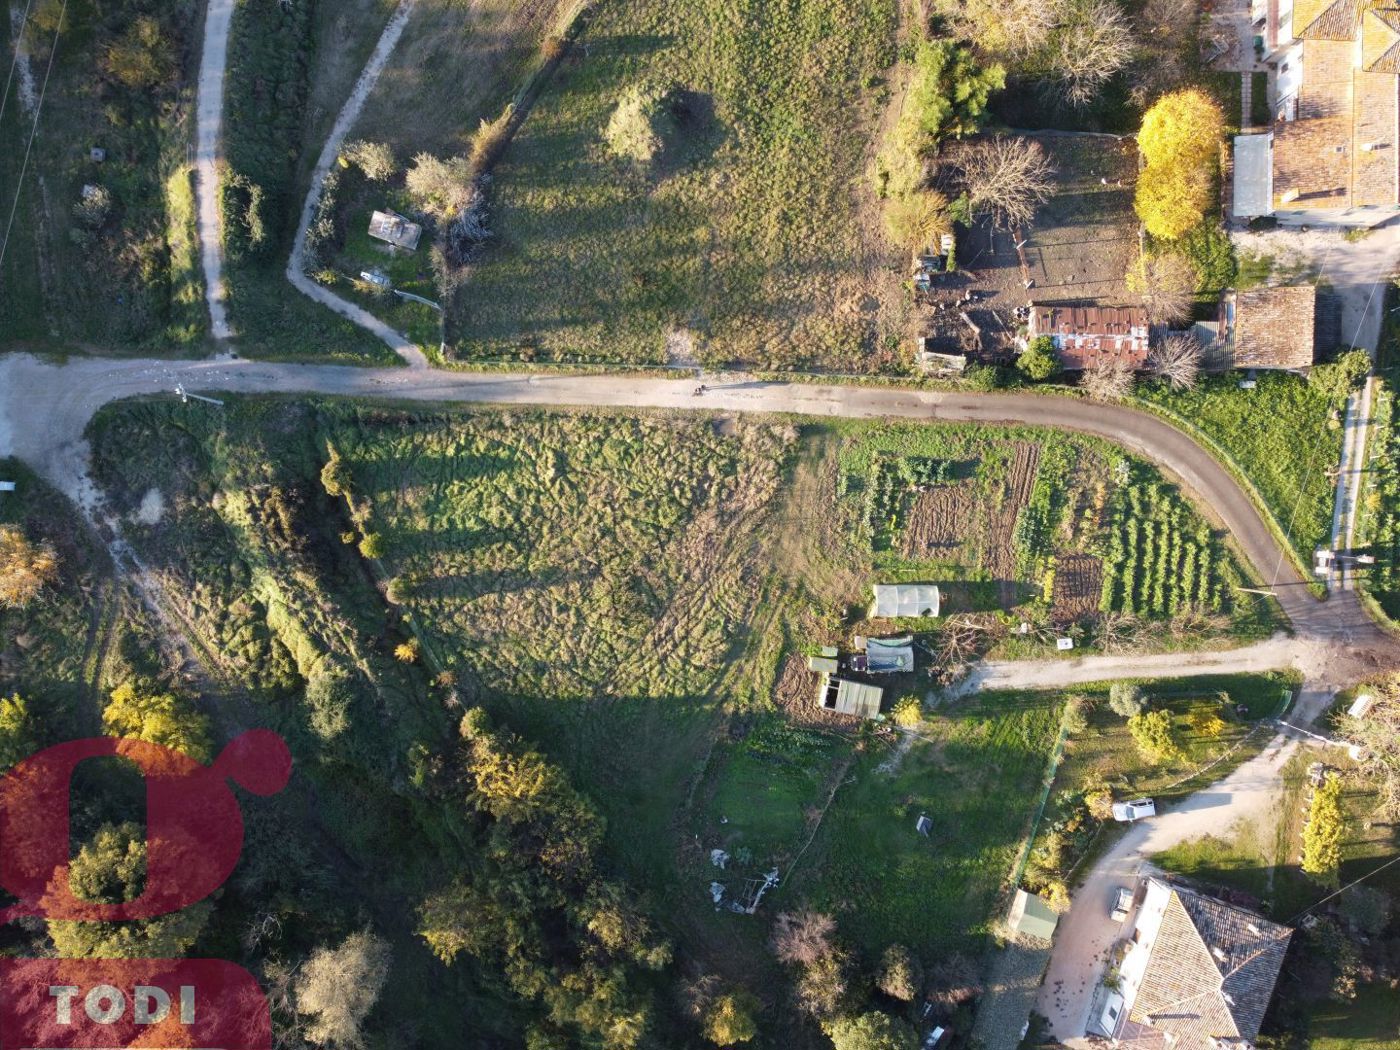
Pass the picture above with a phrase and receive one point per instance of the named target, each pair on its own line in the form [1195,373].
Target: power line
[1349,885]
[34,131]
[14,62]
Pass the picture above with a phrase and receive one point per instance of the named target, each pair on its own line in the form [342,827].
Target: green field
[1378,518]
[741,241]
[1278,436]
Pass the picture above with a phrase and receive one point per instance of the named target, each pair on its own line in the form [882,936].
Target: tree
[1039,361]
[1016,28]
[639,126]
[1091,42]
[918,220]
[1177,359]
[375,159]
[1098,801]
[25,568]
[1171,201]
[329,698]
[1008,178]
[955,980]
[947,95]
[442,188]
[1322,835]
[19,737]
[110,869]
[157,718]
[1108,380]
[803,936]
[1126,699]
[337,987]
[1183,128]
[1367,909]
[1166,283]
[1337,380]
[335,476]
[94,208]
[407,652]
[730,1019]
[1154,732]
[872,1031]
[373,546]
[821,988]
[141,58]
[899,974]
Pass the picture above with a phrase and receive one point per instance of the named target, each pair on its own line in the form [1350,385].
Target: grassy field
[1378,516]
[741,241]
[1371,1021]
[125,277]
[1280,438]
[975,774]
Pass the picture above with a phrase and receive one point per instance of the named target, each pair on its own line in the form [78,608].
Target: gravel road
[209,118]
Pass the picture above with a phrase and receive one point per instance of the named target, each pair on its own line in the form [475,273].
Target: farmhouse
[905,600]
[1198,975]
[1333,156]
[1087,335]
[394,229]
[1268,328]
[849,698]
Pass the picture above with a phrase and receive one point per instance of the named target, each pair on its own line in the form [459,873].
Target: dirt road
[209,119]
[349,113]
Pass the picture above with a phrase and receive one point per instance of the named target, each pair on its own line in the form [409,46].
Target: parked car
[933,1038]
[1134,810]
[1122,903]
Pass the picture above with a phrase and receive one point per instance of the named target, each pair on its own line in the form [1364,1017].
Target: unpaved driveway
[1086,933]
[209,118]
[349,113]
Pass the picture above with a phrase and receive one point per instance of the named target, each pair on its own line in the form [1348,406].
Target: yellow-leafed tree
[157,718]
[1182,127]
[24,568]
[1171,201]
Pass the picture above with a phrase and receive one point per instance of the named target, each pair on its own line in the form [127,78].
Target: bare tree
[954,981]
[1108,380]
[1167,285]
[337,987]
[1016,28]
[1092,42]
[802,936]
[1117,632]
[1008,178]
[1177,359]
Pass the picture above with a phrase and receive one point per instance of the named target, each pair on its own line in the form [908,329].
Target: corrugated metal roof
[1254,176]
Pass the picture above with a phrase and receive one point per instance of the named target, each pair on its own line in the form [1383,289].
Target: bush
[730,1019]
[639,126]
[872,1031]
[1322,835]
[1038,361]
[25,568]
[1154,732]
[1126,700]
[1337,380]
[899,974]
[157,718]
[919,220]
[442,188]
[375,159]
[329,697]
[908,712]
[407,652]
[373,546]
[1076,714]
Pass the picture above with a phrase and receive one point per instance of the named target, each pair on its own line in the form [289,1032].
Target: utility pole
[185,397]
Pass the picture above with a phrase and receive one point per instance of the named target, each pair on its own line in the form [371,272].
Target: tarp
[890,655]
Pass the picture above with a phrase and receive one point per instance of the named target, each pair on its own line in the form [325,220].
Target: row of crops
[1159,558]
[890,490]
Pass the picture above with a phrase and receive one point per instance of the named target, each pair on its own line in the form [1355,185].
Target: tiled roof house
[1335,149]
[1200,972]
[1271,328]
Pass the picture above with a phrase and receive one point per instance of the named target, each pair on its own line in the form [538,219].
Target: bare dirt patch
[1078,583]
[940,521]
[1000,529]
[795,694]
[152,507]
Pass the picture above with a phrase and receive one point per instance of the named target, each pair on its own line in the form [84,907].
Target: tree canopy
[18,736]
[872,1031]
[157,718]
[25,567]
[1038,360]
[111,869]
[1155,735]
[337,988]
[1322,836]
[1180,146]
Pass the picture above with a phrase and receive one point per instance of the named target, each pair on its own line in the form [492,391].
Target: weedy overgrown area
[101,250]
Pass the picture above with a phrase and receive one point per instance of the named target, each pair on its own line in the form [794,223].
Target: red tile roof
[1085,335]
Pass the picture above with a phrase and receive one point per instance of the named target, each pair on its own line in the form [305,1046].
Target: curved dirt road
[46,406]
[349,113]
[209,119]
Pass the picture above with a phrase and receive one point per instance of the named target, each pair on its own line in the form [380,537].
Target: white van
[1134,810]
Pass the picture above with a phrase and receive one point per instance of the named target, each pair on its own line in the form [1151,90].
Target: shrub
[947,95]
[407,652]
[1038,361]
[803,936]
[337,987]
[157,718]
[1154,732]
[1126,699]
[375,159]
[1207,723]
[489,139]
[1108,380]
[730,1019]
[1338,379]
[25,568]
[899,974]
[919,220]
[1076,714]
[442,188]
[1099,802]
[141,58]
[639,126]
[372,545]
[908,712]
[18,736]
[1322,836]
[329,696]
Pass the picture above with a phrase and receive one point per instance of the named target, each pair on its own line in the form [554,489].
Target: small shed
[1361,705]
[393,228]
[905,600]
[1032,917]
[378,278]
[890,655]
[849,698]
